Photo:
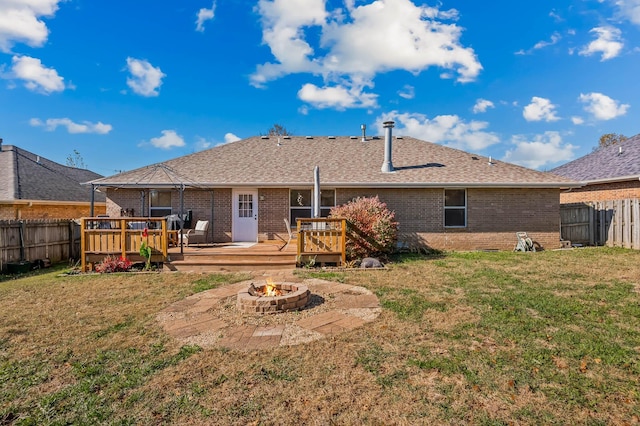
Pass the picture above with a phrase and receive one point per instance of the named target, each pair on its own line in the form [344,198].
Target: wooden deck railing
[122,237]
[322,239]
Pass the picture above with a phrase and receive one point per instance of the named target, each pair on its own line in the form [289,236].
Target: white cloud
[482,105]
[555,38]
[608,42]
[338,97]
[602,107]
[577,120]
[406,37]
[20,22]
[36,77]
[556,17]
[52,124]
[145,79]
[540,109]
[202,144]
[543,150]
[169,139]
[203,16]
[407,92]
[449,130]
[630,9]
[230,137]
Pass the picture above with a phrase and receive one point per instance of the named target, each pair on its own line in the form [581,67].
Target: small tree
[278,130]
[76,160]
[609,139]
[372,226]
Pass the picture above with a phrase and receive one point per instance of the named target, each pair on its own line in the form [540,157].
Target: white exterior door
[245,215]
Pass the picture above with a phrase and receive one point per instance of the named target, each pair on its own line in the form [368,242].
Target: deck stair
[262,256]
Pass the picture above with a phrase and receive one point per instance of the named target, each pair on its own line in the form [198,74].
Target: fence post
[635,235]
[343,243]
[83,261]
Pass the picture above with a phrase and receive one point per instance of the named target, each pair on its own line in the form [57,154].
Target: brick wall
[49,211]
[493,217]
[273,208]
[217,212]
[602,192]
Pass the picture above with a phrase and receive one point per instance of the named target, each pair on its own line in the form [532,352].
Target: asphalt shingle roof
[343,162]
[27,176]
[611,162]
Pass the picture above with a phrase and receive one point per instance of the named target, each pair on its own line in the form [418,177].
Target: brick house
[32,187]
[609,173]
[443,198]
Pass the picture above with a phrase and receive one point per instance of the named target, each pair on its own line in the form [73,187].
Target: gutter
[49,202]
[379,185]
[611,180]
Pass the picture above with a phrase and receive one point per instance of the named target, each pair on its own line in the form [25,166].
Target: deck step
[228,265]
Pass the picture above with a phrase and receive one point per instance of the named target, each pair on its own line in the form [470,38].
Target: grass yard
[465,338]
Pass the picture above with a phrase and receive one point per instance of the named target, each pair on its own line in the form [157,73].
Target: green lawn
[464,338]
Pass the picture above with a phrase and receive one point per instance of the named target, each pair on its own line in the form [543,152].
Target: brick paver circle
[211,318]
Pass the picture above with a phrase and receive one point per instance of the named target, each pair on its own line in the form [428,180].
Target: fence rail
[615,223]
[122,237]
[30,241]
[322,240]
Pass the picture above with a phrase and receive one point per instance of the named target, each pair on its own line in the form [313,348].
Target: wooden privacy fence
[122,237]
[52,240]
[322,240]
[614,223]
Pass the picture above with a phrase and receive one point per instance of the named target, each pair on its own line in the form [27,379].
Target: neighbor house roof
[343,162]
[609,164]
[27,176]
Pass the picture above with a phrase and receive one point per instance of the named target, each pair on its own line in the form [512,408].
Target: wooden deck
[232,257]
[318,241]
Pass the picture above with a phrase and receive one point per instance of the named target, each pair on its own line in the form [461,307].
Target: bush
[373,230]
[113,264]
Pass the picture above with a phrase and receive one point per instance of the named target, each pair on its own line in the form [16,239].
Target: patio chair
[524,242]
[197,235]
[288,225]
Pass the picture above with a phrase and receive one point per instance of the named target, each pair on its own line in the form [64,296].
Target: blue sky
[130,83]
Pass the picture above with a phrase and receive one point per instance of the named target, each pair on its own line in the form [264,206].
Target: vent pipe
[387,166]
[364,132]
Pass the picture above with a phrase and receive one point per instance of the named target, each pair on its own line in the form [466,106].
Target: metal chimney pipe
[387,166]
[316,192]
[364,134]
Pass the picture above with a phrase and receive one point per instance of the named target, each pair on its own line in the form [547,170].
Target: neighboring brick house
[609,173]
[32,187]
[443,198]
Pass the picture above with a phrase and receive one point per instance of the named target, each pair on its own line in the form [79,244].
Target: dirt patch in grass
[467,338]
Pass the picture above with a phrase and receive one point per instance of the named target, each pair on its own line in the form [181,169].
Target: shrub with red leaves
[373,230]
[113,264]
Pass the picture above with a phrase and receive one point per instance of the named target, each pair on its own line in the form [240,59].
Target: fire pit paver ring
[342,308]
[294,296]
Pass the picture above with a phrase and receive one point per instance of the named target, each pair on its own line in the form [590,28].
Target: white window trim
[444,193]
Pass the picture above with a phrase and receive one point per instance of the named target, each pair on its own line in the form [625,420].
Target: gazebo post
[93,199]
[181,218]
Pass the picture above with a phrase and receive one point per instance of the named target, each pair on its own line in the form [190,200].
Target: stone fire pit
[273,297]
